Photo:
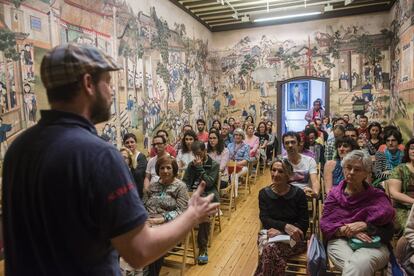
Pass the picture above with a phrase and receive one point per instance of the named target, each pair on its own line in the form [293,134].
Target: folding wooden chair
[215,220]
[185,251]
[330,267]
[253,174]
[229,201]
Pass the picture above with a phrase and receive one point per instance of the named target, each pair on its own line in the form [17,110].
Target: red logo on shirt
[120,192]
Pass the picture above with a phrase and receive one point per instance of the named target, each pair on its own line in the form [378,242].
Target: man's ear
[87,84]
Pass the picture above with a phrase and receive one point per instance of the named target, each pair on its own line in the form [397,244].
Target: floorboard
[234,250]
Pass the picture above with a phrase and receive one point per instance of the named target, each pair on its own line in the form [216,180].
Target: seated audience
[326,124]
[405,246]
[202,168]
[261,132]
[316,112]
[179,138]
[355,209]
[168,148]
[332,174]
[239,152]
[231,122]
[304,167]
[217,125]
[138,161]
[401,185]
[273,144]
[363,127]
[220,154]
[283,210]
[185,155]
[338,131]
[390,158]
[226,135]
[304,147]
[252,140]
[202,134]
[351,132]
[165,199]
[151,175]
[311,135]
[374,141]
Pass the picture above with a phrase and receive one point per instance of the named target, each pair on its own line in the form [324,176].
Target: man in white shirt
[151,176]
[304,167]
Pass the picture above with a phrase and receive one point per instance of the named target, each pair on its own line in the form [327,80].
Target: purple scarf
[371,206]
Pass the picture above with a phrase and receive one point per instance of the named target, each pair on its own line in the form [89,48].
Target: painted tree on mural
[160,40]
[368,50]
[247,68]
[289,59]
[8,44]
[188,99]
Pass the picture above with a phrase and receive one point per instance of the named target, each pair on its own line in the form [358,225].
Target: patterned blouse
[166,200]
[403,173]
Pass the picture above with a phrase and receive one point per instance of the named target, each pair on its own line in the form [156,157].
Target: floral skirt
[273,256]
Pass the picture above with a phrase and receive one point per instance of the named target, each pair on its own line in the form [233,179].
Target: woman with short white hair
[239,152]
[357,220]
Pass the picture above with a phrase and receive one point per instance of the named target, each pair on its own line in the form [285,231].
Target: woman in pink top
[252,140]
[219,153]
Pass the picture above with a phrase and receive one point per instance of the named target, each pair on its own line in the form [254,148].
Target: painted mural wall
[176,71]
[368,59]
[165,82]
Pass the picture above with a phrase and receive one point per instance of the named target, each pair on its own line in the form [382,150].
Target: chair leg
[194,245]
[185,254]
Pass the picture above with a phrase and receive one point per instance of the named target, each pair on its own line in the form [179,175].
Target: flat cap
[65,63]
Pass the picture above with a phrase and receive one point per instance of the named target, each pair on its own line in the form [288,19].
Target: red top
[202,136]
[170,149]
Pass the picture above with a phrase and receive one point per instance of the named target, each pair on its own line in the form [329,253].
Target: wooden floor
[234,250]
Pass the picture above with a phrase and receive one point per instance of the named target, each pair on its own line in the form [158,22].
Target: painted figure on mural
[242,83]
[4,128]
[3,98]
[297,96]
[378,76]
[217,105]
[252,110]
[367,73]
[13,97]
[27,59]
[30,103]
[132,111]
[229,98]
[263,89]
[355,79]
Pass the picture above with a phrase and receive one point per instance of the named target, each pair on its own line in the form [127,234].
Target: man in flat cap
[69,202]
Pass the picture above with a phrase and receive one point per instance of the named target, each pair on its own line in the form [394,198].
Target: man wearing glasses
[158,142]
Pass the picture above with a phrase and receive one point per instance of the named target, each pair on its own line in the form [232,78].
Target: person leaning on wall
[69,203]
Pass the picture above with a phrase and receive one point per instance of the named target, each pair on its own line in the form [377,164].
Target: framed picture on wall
[298,96]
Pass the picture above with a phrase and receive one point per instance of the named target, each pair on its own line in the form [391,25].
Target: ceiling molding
[217,17]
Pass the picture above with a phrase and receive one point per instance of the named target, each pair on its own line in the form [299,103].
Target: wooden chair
[330,267]
[215,220]
[297,264]
[229,201]
[185,251]
[253,176]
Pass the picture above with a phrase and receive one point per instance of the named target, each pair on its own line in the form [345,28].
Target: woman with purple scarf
[354,209]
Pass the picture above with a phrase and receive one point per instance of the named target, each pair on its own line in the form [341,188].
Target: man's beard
[99,111]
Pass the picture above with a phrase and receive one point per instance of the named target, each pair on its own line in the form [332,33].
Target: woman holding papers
[284,217]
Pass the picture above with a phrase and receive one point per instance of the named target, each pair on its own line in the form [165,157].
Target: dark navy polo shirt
[66,194]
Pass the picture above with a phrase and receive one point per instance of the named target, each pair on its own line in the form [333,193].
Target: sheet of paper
[284,239]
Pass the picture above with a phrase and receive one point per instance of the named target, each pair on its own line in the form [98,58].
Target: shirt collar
[54,117]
